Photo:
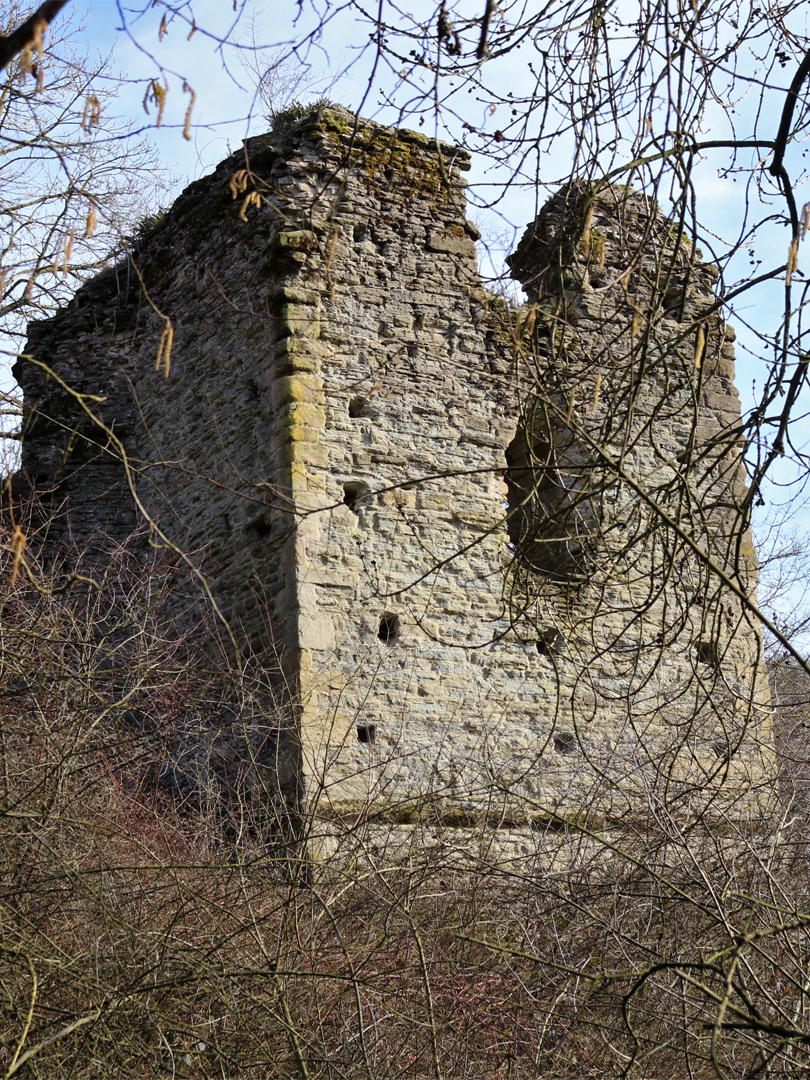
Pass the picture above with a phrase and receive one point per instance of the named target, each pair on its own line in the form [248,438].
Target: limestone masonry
[471,533]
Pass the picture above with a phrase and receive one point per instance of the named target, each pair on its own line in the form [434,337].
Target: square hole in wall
[565,742]
[367,733]
[389,629]
[358,407]
[708,654]
[550,641]
[354,492]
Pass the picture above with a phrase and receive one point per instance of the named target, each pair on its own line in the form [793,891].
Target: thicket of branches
[150,921]
[74,177]
[141,934]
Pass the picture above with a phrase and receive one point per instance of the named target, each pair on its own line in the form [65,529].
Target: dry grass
[144,937]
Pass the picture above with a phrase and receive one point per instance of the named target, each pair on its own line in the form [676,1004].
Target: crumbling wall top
[603,236]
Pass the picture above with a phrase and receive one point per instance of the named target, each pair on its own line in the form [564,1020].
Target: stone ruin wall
[331,446]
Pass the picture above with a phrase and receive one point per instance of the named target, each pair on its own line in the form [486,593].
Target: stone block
[451,244]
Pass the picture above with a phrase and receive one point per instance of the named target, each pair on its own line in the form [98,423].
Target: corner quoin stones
[460,526]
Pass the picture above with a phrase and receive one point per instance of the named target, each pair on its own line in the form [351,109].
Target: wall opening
[389,629]
[549,516]
[721,749]
[707,653]
[260,527]
[357,407]
[367,733]
[565,742]
[550,641]
[354,492]
[673,300]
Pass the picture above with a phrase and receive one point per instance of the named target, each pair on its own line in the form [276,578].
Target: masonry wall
[470,534]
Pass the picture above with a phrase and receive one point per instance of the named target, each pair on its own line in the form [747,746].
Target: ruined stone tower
[498,551]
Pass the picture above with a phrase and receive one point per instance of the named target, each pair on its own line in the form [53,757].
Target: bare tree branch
[28,32]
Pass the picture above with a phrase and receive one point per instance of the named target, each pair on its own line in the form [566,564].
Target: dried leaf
[92,221]
[187,125]
[700,347]
[164,353]
[17,549]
